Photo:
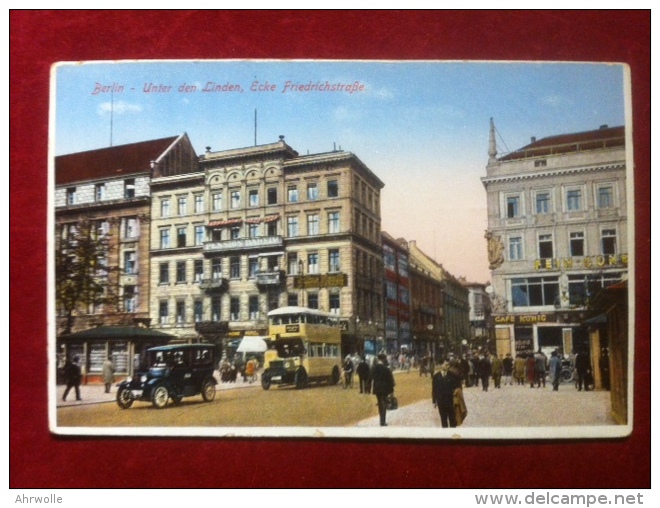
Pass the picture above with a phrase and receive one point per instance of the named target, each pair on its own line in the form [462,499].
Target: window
[271,228]
[534,291]
[216,268]
[71,196]
[313,224]
[217,201]
[292,226]
[333,189]
[235,267]
[182,205]
[180,272]
[515,248]
[543,202]
[199,203]
[99,192]
[164,273]
[129,188]
[180,312]
[272,195]
[545,247]
[574,200]
[235,199]
[608,241]
[334,303]
[130,299]
[583,287]
[390,290]
[312,191]
[131,228]
[292,263]
[165,207]
[253,230]
[292,300]
[130,265]
[253,197]
[333,260]
[253,267]
[163,312]
[198,311]
[333,222]
[254,307]
[215,308]
[164,238]
[540,163]
[199,235]
[576,243]
[313,300]
[199,270]
[235,232]
[234,308]
[512,206]
[605,196]
[292,193]
[312,263]
[181,237]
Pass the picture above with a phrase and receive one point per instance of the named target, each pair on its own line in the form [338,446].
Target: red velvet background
[39,38]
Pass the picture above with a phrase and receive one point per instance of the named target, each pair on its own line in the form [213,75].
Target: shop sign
[526,319]
[600,261]
[292,328]
[320,281]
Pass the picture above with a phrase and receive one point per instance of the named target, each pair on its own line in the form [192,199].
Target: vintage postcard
[344,249]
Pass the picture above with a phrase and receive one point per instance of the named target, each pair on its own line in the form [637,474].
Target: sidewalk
[95,394]
[511,406]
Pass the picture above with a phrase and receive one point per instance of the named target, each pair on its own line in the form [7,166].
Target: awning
[253,344]
[117,333]
[223,223]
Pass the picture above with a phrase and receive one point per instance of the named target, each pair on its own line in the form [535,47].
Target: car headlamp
[143,379]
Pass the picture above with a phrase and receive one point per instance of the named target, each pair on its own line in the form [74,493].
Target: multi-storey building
[262,227]
[479,314]
[108,192]
[397,294]
[557,233]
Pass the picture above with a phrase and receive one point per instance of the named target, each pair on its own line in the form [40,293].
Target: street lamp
[301,270]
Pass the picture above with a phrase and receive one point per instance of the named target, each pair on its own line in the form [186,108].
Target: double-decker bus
[305,347]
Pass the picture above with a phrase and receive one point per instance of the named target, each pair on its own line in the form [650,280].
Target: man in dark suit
[444,384]
[383,385]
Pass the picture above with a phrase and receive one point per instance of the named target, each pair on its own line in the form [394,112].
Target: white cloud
[118,108]
[555,101]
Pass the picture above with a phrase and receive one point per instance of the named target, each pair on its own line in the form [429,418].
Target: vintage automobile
[171,372]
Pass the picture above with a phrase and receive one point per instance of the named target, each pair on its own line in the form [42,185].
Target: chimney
[604,126]
[533,139]
[208,149]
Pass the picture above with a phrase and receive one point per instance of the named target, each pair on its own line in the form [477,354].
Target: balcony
[241,244]
[270,279]
[219,285]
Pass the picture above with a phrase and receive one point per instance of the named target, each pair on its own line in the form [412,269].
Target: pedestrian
[73,376]
[443,385]
[485,370]
[519,369]
[507,369]
[583,368]
[383,386]
[540,361]
[108,373]
[474,369]
[363,375]
[555,370]
[497,368]
[347,369]
[530,372]
[464,370]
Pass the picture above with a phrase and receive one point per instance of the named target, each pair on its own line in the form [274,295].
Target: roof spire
[492,147]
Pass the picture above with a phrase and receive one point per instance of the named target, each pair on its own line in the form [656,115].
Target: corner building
[258,228]
[557,234]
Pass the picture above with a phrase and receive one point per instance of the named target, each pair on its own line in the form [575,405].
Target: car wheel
[159,396]
[208,390]
[334,378]
[124,398]
[566,376]
[265,381]
[301,378]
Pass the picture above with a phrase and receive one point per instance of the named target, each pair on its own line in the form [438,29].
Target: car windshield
[168,359]
[287,348]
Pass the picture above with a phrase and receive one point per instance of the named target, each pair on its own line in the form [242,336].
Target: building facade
[557,233]
[396,273]
[258,228]
[104,196]
[479,316]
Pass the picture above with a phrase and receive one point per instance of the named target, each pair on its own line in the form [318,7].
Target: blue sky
[422,127]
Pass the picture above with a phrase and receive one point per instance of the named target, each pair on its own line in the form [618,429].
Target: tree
[82,273]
